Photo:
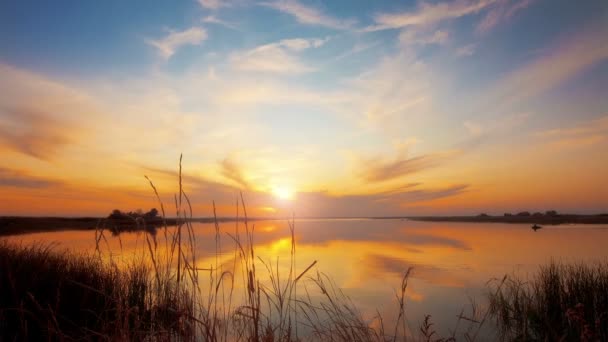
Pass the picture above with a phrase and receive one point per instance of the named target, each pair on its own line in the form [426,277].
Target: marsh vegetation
[164,293]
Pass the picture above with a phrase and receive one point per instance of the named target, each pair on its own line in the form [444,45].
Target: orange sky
[356,109]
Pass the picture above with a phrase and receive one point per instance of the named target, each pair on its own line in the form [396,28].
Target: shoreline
[542,220]
[16,225]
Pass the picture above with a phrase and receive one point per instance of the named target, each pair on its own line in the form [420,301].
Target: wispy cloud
[213,19]
[428,195]
[39,117]
[379,170]
[251,93]
[553,66]
[502,11]
[383,203]
[599,125]
[276,57]
[483,132]
[298,44]
[214,4]
[389,94]
[308,15]
[357,48]
[21,179]
[233,172]
[168,45]
[309,204]
[584,133]
[427,13]
[467,50]
[199,188]
[409,37]
[34,133]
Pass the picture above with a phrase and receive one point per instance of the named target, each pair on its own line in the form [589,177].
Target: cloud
[580,141]
[357,48]
[39,117]
[599,125]
[231,171]
[33,133]
[201,189]
[36,196]
[298,44]
[380,170]
[276,57]
[389,95]
[197,182]
[480,133]
[308,15]
[502,11]
[465,51]
[21,179]
[409,37]
[388,203]
[555,65]
[168,45]
[428,13]
[581,134]
[427,195]
[251,93]
[212,19]
[214,4]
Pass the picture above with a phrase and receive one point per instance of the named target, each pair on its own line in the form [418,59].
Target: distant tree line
[550,213]
[118,215]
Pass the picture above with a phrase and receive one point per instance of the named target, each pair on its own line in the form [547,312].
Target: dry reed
[166,295]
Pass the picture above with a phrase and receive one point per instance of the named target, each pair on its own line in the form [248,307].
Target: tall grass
[47,294]
[562,302]
[167,295]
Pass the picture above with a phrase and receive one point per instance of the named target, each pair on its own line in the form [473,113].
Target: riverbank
[531,219]
[14,225]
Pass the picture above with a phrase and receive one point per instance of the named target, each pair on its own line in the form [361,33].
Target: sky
[309,108]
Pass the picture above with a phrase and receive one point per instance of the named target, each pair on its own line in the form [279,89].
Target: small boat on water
[536,227]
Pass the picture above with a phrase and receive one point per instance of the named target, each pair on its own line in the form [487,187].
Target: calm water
[367,258]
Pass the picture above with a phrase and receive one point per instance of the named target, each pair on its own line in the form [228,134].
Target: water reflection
[367,258]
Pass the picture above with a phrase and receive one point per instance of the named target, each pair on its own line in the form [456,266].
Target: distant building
[524,213]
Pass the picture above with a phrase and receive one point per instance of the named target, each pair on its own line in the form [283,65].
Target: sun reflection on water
[367,258]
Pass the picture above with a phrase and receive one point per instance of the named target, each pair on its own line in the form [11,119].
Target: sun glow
[283,193]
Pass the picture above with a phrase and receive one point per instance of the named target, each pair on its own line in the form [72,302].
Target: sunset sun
[283,193]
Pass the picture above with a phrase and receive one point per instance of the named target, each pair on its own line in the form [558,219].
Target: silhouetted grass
[562,302]
[166,295]
[57,295]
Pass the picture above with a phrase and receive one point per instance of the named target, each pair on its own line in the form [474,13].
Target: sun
[282,193]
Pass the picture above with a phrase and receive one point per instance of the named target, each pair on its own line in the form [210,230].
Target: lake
[366,258]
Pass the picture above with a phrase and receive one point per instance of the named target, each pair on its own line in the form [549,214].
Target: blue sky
[88,37]
[347,100]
